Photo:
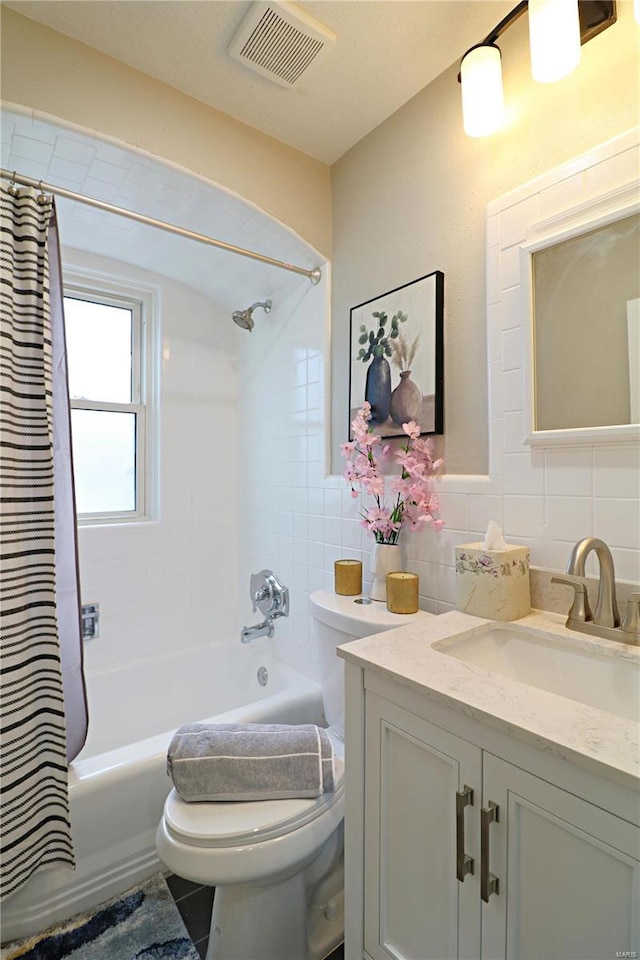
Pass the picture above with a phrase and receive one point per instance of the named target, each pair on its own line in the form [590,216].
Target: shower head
[244,318]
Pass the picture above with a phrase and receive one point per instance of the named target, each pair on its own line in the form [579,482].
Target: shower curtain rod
[313,275]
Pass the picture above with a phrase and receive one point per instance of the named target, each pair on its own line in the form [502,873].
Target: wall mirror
[586,329]
[582,293]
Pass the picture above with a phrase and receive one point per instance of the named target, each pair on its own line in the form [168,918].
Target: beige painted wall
[49,72]
[410,198]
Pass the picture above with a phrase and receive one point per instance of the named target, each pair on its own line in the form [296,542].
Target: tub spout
[264,629]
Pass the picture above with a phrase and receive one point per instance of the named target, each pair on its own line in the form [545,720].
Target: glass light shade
[554,38]
[482,96]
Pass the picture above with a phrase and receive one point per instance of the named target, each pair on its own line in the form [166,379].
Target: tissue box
[493,583]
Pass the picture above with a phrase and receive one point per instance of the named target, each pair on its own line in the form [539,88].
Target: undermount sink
[529,656]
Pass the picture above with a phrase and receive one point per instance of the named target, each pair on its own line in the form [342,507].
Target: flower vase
[386,558]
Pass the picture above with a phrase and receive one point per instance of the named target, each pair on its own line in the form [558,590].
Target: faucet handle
[269,594]
[580,609]
[631,622]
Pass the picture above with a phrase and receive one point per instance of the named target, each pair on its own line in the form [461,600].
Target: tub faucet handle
[269,595]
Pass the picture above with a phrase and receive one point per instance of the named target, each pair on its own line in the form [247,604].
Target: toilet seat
[231,824]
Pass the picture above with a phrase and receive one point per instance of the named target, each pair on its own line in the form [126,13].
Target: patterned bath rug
[141,924]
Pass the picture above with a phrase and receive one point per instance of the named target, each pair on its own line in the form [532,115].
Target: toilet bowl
[277,865]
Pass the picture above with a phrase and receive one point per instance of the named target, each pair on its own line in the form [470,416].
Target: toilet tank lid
[357,619]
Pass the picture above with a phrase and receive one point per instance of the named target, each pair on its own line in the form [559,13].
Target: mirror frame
[599,211]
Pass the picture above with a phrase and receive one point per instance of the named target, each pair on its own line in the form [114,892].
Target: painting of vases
[397,358]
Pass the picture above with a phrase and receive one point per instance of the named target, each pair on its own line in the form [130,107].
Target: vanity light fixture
[554,39]
[557,28]
[482,95]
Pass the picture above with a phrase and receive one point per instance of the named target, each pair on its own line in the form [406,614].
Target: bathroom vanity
[493,792]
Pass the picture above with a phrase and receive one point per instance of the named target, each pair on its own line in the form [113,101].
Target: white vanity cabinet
[561,873]
[414,907]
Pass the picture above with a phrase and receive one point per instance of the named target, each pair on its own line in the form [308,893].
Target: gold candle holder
[402,592]
[348,577]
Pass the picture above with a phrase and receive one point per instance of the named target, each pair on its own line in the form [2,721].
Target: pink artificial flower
[412,429]
[415,503]
[373,486]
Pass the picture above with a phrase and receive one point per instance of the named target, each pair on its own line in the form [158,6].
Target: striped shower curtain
[43,708]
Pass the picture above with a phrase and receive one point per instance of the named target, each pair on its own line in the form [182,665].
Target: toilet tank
[337,620]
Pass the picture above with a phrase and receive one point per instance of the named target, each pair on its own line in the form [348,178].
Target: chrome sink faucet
[605,622]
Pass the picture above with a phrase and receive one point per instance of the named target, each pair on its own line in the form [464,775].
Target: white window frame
[142,303]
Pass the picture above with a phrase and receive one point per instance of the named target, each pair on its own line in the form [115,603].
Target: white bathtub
[118,784]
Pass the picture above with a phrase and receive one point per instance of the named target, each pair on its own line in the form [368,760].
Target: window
[107,334]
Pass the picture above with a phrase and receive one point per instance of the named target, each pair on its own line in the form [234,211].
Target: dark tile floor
[194,903]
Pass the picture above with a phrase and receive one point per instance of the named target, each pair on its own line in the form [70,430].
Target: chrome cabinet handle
[464,863]
[488,882]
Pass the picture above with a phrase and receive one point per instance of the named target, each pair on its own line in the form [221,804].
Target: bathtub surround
[143,921]
[150,577]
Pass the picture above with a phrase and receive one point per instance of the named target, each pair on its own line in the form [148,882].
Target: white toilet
[277,864]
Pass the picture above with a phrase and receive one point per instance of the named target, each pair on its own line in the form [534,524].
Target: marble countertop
[594,739]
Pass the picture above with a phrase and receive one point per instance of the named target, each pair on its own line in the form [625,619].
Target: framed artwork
[397,357]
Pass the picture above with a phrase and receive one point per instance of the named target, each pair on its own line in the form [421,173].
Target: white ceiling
[386,52]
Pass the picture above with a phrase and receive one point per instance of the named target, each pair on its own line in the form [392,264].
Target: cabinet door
[414,906]
[568,873]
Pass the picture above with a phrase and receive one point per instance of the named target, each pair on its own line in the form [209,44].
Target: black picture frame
[404,330]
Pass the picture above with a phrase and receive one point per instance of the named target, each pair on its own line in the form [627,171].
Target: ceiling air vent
[281,42]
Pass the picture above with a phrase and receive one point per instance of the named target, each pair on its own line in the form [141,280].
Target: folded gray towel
[251,761]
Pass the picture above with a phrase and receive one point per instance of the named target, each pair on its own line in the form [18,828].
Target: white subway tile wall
[171,583]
